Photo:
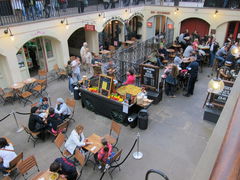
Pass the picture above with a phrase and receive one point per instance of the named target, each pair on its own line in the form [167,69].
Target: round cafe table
[18,85]
[170,50]
[30,80]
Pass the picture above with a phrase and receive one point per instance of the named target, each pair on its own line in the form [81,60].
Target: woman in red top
[130,78]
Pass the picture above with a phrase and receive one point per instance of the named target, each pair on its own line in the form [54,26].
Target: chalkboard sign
[149,75]
[105,85]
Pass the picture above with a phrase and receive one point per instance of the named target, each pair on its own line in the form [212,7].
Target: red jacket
[102,155]
[130,80]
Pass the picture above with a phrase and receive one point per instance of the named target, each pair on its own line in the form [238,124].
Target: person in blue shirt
[193,71]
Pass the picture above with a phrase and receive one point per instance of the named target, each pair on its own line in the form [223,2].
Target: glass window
[48,46]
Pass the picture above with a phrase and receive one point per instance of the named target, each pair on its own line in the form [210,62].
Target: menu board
[149,75]
[105,85]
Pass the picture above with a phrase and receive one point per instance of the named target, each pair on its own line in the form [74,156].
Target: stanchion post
[19,129]
[138,154]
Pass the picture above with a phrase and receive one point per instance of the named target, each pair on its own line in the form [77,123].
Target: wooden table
[177,45]
[97,144]
[130,42]
[30,80]
[18,85]
[170,50]
[104,52]
[44,175]
[203,47]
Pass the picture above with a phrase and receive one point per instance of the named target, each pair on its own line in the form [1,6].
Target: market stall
[106,97]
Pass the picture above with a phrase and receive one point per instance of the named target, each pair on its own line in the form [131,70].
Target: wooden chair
[81,160]
[39,90]
[60,128]
[24,96]
[71,103]
[31,135]
[6,96]
[165,62]
[59,141]
[14,162]
[61,74]
[116,128]
[42,77]
[37,177]
[26,165]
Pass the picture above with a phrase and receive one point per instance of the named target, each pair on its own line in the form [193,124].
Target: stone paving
[173,142]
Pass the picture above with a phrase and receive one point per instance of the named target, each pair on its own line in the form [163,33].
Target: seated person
[104,154]
[76,140]
[36,123]
[188,50]
[53,120]
[130,77]
[65,167]
[225,71]
[7,154]
[110,68]
[44,105]
[95,60]
[154,59]
[162,52]
[221,54]
[62,109]
[177,60]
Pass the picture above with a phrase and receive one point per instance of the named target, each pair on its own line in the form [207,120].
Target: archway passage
[234,29]
[134,28]
[38,53]
[192,24]
[75,41]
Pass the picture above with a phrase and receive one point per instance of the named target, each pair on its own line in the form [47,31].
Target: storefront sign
[89,27]
[149,24]
[135,14]
[116,18]
[170,26]
[160,12]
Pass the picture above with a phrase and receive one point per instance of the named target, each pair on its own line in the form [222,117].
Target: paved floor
[173,142]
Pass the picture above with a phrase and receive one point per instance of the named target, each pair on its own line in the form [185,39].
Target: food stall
[102,95]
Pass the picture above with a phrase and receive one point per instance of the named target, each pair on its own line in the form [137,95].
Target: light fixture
[176,11]
[235,51]
[215,85]
[215,14]
[8,30]
[65,21]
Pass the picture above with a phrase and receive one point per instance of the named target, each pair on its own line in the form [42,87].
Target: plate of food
[53,176]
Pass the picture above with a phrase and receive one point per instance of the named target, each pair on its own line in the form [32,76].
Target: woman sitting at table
[130,77]
[104,154]
[44,105]
[65,167]
[76,140]
[53,120]
[62,109]
[177,59]
[7,154]
[36,123]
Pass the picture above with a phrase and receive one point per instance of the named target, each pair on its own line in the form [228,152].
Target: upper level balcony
[20,11]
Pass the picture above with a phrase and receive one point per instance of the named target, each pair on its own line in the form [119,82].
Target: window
[49,49]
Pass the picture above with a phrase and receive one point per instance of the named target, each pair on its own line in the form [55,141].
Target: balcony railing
[19,11]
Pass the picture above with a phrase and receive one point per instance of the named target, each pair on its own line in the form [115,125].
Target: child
[171,80]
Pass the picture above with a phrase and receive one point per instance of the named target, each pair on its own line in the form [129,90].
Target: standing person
[64,167]
[88,58]
[7,154]
[63,4]
[69,72]
[62,109]
[47,8]
[182,41]
[112,3]
[72,83]
[106,4]
[52,7]
[213,49]
[83,53]
[39,8]
[171,80]
[130,77]
[76,69]
[76,139]
[193,71]
[80,4]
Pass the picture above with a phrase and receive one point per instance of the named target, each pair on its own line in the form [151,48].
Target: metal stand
[138,154]
[19,129]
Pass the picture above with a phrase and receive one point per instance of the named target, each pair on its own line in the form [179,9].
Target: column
[92,40]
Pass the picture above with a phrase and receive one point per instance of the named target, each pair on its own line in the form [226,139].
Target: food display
[129,89]
[53,176]
[93,89]
[116,97]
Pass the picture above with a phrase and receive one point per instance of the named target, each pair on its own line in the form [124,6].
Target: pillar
[92,40]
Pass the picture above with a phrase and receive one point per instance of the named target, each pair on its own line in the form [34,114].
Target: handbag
[85,2]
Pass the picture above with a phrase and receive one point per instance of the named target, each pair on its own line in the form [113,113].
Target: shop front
[233,30]
[134,28]
[37,54]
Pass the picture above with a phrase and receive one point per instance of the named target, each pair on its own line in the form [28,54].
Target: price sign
[149,75]
[105,85]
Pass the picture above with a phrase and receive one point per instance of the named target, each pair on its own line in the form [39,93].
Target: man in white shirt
[177,60]
[76,69]
[62,109]
[7,154]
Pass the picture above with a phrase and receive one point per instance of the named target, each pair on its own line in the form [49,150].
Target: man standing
[193,71]
[76,69]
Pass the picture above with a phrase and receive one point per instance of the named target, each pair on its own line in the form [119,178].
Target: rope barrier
[22,113]
[134,144]
[5,117]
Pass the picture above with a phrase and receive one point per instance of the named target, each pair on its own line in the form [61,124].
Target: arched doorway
[233,28]
[162,26]
[134,28]
[4,70]
[38,53]
[75,41]
[112,34]
[192,24]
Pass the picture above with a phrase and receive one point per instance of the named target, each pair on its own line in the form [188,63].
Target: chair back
[116,156]
[116,127]
[2,91]
[42,73]
[16,160]
[60,139]
[28,131]
[62,126]
[71,103]
[34,104]
[80,157]
[27,164]
[56,68]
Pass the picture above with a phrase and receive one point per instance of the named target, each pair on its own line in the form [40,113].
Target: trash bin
[143,119]
[133,120]
[76,93]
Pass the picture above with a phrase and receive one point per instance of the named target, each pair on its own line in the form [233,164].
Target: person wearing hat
[62,109]
[224,71]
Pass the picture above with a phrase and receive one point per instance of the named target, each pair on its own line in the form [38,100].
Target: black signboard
[149,75]
[105,85]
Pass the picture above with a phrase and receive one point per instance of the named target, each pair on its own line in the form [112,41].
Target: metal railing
[18,11]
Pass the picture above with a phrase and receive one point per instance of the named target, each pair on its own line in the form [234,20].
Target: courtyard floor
[173,143]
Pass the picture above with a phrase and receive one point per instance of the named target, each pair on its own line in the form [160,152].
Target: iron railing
[18,11]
